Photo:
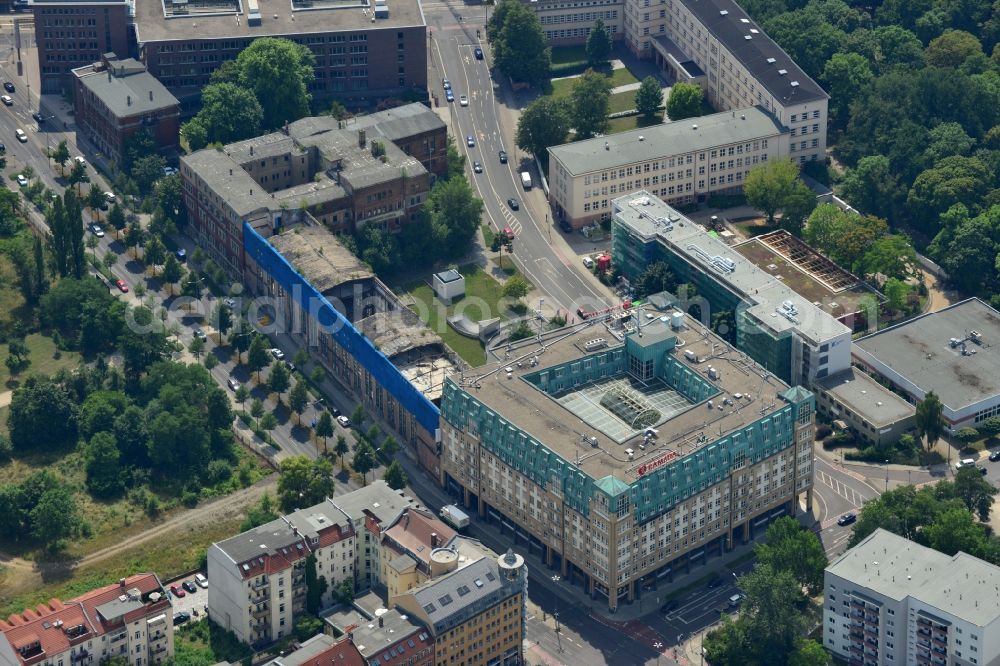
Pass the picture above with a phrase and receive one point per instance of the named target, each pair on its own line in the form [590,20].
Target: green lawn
[622,101]
[617,125]
[482,293]
[619,77]
[622,77]
[43,360]
[567,55]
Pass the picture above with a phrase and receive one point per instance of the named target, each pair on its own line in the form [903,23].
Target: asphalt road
[546,265]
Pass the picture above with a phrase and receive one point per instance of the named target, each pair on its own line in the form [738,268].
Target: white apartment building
[740,66]
[132,619]
[258,577]
[570,22]
[680,162]
[892,602]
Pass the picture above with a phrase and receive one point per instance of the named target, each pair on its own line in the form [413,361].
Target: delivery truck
[454,516]
[526,180]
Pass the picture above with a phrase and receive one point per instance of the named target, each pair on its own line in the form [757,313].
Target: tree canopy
[520,50]
[589,104]
[229,112]
[684,101]
[773,185]
[649,97]
[543,124]
[598,43]
[303,482]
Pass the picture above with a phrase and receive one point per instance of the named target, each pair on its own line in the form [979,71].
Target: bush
[990,426]
[153,506]
[217,471]
[966,435]
[6,448]
[189,498]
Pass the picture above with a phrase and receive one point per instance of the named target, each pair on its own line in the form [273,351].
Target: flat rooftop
[920,351]
[321,259]
[160,20]
[650,218]
[962,586]
[565,423]
[862,394]
[129,90]
[836,302]
[670,138]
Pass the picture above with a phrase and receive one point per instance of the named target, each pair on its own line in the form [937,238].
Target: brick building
[115,98]
[132,619]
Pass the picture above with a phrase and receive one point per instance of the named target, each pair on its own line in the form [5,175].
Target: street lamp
[886,476]
[556,579]
[657,646]
[680,637]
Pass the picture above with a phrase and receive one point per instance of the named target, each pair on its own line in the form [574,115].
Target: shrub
[189,498]
[966,435]
[217,471]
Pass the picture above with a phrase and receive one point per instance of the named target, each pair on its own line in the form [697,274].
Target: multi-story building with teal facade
[627,450]
[787,334]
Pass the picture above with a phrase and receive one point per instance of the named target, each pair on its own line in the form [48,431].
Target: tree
[172,272]
[768,186]
[78,174]
[589,104]
[454,213]
[364,460]
[395,476]
[952,48]
[240,338]
[146,171]
[956,530]
[930,419]
[134,237]
[975,491]
[61,155]
[598,44]
[257,409]
[222,319]
[358,416]
[137,146]
[42,416]
[258,356]
[267,423]
[154,253]
[543,124]
[791,547]
[516,287]
[341,449]
[895,292]
[873,187]
[54,517]
[316,587]
[649,97]
[808,37]
[116,218]
[300,359]
[102,465]
[196,346]
[303,482]
[298,400]
[95,199]
[229,112]
[76,259]
[684,101]
[520,51]
[324,427]
[846,75]
[891,255]
[389,446]
[945,140]
[952,180]
[241,395]
[456,160]
[279,379]
[809,653]
[279,73]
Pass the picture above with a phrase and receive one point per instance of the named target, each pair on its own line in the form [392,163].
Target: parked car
[200,334]
[122,287]
[190,586]
[290,366]
[39,118]
[735,601]
[8,86]
[463,100]
[21,136]
[995,455]
[982,470]
[446,84]
[448,95]
[477,167]
[7,100]
[169,171]
[503,157]
[965,462]
[479,53]
[96,230]
[110,197]
[230,303]
[344,421]
[182,255]
[470,142]
[181,617]
[177,591]
[3,148]
[847,519]
[588,263]
[80,160]
[21,180]
[513,204]
[277,353]
[234,385]
[201,580]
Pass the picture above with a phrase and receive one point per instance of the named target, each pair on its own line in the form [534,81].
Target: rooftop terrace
[707,389]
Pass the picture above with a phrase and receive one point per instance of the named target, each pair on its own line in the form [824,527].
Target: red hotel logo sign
[646,468]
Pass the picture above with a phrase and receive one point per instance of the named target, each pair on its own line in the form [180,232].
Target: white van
[201,580]
[21,136]
[526,180]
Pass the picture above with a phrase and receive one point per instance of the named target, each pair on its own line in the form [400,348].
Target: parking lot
[194,603]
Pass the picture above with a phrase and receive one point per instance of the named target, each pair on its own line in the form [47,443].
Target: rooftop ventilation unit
[747,36]
[754,31]
[723,12]
[771,61]
[795,84]
[595,344]
[743,20]
[782,71]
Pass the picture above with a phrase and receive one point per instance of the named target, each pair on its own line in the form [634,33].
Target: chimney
[121,582]
[109,73]
[150,95]
[380,622]
[128,100]
[434,539]
[362,138]
[251,151]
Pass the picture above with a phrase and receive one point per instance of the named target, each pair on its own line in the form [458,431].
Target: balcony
[298,579]
[259,612]
[259,584]
[79,656]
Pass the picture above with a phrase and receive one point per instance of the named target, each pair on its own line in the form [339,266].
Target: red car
[122,287]
[177,591]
